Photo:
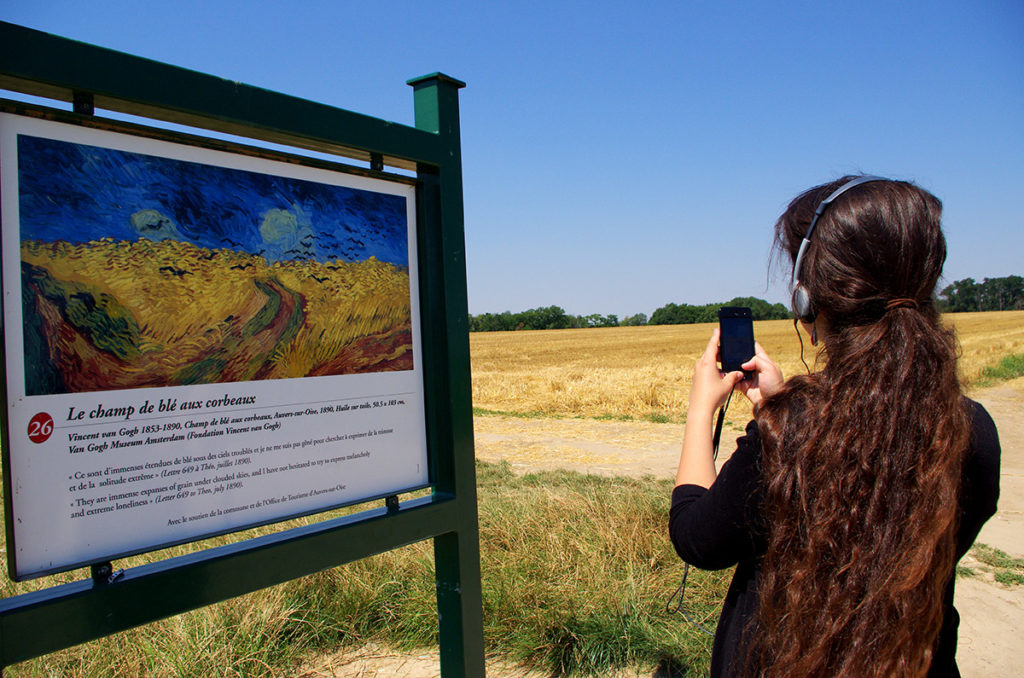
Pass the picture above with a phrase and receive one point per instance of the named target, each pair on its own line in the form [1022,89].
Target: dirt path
[991,615]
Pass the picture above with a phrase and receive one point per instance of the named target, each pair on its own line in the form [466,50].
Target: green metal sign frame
[33,624]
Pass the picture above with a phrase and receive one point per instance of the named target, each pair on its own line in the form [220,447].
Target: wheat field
[644,372]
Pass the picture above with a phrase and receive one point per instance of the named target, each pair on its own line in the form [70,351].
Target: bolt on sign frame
[36,623]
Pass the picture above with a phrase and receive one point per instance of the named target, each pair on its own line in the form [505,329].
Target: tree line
[683,314]
[991,294]
[546,318]
[555,318]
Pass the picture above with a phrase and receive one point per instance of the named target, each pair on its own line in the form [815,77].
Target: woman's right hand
[767,379]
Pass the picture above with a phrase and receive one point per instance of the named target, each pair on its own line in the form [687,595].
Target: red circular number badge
[40,427]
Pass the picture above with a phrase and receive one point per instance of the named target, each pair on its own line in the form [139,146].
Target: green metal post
[450,420]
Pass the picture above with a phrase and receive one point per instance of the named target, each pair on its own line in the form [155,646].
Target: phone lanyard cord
[718,426]
[681,589]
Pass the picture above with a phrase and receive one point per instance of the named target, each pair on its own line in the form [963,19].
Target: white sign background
[123,472]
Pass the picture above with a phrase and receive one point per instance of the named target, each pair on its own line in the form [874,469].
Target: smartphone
[736,344]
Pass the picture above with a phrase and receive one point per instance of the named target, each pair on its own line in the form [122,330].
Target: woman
[856,489]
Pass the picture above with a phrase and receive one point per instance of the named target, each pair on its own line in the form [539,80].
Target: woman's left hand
[711,387]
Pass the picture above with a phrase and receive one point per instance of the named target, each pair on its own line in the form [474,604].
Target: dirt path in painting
[287,317]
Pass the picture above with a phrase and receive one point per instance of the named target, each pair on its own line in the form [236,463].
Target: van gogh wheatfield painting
[143,271]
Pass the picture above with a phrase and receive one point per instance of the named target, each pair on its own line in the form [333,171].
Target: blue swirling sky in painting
[78,193]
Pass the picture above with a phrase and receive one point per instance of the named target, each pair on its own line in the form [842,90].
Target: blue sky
[619,156]
[121,195]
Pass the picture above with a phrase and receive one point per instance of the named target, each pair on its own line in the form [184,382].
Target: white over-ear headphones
[802,306]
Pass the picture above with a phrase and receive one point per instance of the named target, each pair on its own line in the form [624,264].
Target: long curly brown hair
[862,460]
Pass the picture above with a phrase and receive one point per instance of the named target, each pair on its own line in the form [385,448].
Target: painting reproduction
[141,271]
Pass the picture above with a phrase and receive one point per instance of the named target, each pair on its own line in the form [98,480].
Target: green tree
[681,314]
[598,320]
[543,318]
[761,309]
[991,294]
[635,320]
[669,314]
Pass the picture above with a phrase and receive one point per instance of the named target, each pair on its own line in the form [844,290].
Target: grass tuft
[1008,578]
[577,569]
[658,418]
[1009,367]
[1005,569]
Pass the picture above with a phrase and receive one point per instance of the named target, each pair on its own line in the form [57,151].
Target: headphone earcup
[802,306]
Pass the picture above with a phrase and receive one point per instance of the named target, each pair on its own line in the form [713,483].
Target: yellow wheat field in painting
[644,372]
[195,315]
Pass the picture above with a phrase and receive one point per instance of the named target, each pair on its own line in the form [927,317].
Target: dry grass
[576,573]
[985,338]
[644,372]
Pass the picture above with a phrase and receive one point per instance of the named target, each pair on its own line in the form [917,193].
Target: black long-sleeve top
[723,526]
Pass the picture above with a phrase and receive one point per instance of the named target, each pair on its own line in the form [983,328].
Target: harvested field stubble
[645,372]
[985,338]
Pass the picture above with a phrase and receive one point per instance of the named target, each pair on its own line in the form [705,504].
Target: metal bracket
[83,102]
[391,503]
[103,574]
[377,162]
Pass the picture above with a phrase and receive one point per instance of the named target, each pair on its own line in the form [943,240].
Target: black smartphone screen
[736,345]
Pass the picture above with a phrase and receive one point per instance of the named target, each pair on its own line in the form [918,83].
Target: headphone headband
[801,300]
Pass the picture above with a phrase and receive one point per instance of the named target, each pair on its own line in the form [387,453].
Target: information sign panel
[197,341]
